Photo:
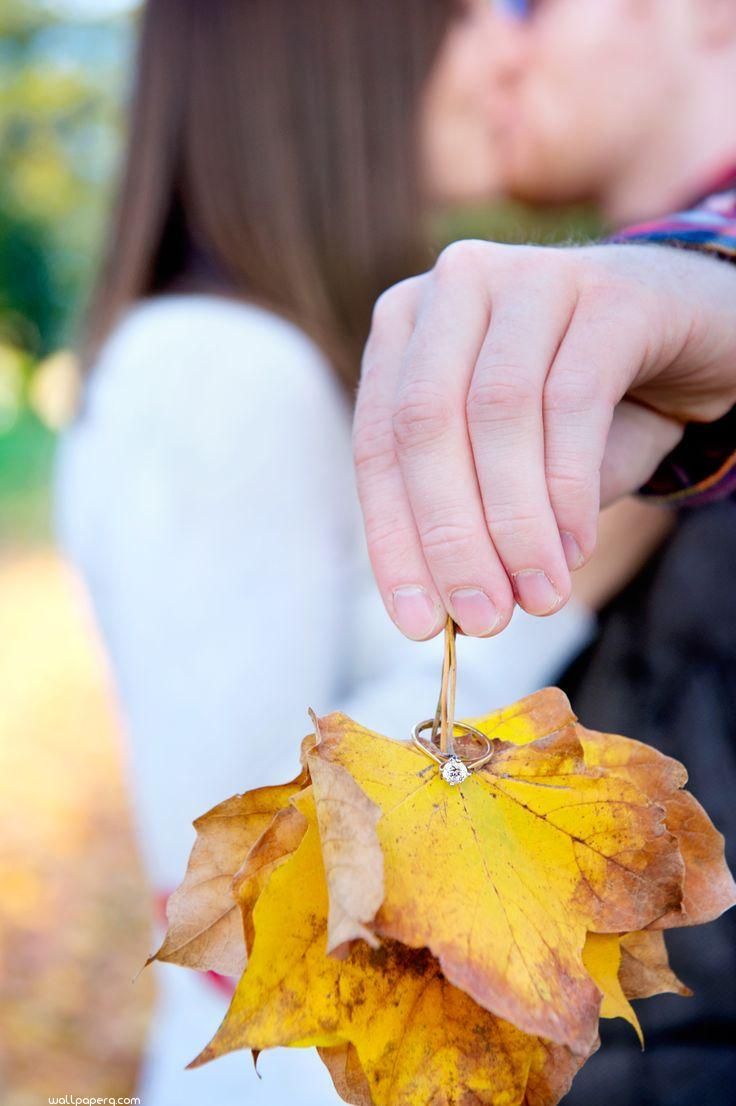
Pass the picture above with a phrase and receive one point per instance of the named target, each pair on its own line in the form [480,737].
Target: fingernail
[415,613]
[573,552]
[474,611]
[535,591]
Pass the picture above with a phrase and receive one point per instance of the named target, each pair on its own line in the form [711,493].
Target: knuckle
[422,416]
[508,396]
[387,537]
[572,392]
[461,259]
[529,260]
[505,523]
[373,443]
[384,309]
[394,304]
[572,483]
[542,269]
[448,540]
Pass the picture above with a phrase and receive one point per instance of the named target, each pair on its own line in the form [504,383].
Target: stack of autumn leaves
[452,945]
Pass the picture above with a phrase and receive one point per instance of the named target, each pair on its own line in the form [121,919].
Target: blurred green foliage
[61,92]
[517,223]
[26,457]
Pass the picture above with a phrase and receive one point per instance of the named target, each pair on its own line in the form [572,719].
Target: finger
[598,350]
[404,580]
[434,449]
[504,410]
[638,440]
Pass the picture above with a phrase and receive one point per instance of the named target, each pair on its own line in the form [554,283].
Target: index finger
[404,580]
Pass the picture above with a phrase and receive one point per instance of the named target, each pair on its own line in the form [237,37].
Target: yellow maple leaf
[387,1022]
[503,877]
[602,959]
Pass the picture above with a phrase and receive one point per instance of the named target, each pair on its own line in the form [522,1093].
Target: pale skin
[650,148]
[509,393]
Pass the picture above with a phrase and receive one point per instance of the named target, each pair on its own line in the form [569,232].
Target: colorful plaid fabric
[703,466]
[710,225]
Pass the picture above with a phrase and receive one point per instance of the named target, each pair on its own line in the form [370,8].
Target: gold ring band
[442,758]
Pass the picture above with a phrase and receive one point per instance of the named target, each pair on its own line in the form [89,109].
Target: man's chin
[525,174]
[534,183]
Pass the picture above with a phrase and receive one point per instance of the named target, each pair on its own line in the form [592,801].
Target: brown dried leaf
[351,852]
[645,968]
[343,1064]
[708,887]
[204,926]
[551,1073]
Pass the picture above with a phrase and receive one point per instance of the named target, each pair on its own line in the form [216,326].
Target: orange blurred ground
[73,907]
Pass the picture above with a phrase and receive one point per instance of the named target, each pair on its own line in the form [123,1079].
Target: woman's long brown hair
[273,156]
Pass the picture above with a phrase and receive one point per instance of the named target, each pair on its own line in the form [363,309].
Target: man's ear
[714,22]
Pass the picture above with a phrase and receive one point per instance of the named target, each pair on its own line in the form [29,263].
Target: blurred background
[63,67]
[73,908]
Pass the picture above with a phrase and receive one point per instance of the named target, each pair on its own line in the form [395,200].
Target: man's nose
[509,42]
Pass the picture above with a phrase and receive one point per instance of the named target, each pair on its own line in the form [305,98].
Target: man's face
[581,84]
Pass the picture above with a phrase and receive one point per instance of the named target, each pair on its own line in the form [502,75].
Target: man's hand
[509,392]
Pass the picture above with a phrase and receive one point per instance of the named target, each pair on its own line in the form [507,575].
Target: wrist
[689,370]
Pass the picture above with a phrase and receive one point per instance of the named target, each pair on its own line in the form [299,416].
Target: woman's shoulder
[192,341]
[192,389]
[180,318]
[203,381]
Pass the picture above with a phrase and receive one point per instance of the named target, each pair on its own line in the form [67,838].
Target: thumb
[638,440]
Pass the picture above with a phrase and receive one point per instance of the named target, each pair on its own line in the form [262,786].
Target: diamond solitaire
[453,771]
